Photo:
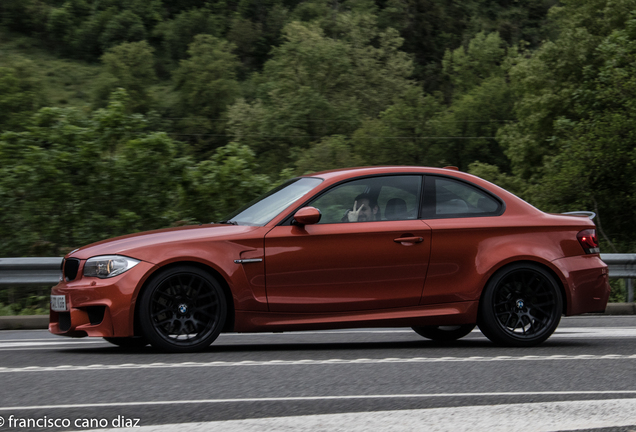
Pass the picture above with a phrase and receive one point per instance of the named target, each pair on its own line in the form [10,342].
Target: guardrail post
[630,290]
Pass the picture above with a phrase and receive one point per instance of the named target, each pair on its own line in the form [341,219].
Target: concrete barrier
[620,309]
[24,322]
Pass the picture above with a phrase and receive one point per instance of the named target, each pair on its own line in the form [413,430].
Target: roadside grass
[75,83]
[24,300]
[65,82]
[618,294]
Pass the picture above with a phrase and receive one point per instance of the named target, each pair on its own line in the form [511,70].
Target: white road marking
[563,333]
[323,398]
[530,417]
[51,343]
[594,332]
[309,362]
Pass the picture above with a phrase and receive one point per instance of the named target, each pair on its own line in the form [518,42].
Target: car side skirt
[438,314]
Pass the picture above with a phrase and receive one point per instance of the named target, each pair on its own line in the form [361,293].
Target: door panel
[346,266]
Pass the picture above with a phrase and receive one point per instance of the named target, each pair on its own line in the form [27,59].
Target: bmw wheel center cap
[183,308]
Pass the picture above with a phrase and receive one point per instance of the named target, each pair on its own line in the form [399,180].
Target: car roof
[372,170]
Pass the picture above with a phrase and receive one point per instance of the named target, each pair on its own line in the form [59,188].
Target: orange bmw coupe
[437,250]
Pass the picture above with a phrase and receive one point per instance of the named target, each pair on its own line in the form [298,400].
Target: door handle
[409,240]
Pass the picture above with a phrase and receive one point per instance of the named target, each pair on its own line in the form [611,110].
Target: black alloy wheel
[444,333]
[183,309]
[521,306]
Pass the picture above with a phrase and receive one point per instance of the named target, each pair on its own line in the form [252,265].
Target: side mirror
[307,216]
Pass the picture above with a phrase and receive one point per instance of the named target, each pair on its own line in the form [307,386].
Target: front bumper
[586,283]
[99,307]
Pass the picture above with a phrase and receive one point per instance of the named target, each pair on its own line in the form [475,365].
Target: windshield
[267,207]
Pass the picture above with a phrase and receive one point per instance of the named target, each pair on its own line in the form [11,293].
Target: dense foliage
[189,109]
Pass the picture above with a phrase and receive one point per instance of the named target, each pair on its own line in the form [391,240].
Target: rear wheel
[444,333]
[183,309]
[521,306]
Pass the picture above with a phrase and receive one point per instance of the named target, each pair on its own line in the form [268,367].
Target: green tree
[123,27]
[150,11]
[315,86]
[179,32]
[466,67]
[70,180]
[432,27]
[595,165]
[86,38]
[401,135]
[223,183]
[20,93]
[25,15]
[330,153]
[60,27]
[207,84]
[573,142]
[429,131]
[129,66]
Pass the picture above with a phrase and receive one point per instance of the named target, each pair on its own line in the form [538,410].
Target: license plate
[58,303]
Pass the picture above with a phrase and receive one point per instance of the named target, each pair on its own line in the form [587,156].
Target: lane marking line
[565,332]
[526,417]
[51,343]
[321,398]
[305,362]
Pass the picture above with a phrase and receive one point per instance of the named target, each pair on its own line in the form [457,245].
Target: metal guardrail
[30,271]
[46,271]
[622,266]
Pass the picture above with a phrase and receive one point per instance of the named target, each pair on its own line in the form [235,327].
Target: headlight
[108,266]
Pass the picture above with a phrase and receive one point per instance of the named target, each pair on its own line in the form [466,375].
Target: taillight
[588,240]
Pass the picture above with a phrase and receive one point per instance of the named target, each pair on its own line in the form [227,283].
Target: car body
[444,251]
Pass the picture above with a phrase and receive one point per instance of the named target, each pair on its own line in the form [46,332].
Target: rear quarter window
[447,198]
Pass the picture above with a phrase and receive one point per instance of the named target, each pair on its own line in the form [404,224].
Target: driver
[365,209]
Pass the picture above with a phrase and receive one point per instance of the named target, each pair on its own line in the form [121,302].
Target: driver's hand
[353,214]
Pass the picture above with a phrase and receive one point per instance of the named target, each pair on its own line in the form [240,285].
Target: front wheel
[521,306]
[183,309]
[444,333]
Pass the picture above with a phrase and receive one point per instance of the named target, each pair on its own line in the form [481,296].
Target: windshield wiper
[228,222]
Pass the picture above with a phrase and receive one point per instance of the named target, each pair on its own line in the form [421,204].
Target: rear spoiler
[589,214]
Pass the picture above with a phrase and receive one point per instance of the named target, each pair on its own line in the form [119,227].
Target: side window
[381,198]
[334,204]
[452,198]
[398,204]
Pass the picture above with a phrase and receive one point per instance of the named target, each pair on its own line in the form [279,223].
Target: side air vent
[71,266]
[95,314]
[65,321]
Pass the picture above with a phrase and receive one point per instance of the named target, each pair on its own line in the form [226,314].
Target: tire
[183,309]
[128,343]
[521,306]
[444,333]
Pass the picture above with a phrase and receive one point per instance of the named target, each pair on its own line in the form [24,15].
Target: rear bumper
[99,307]
[586,283]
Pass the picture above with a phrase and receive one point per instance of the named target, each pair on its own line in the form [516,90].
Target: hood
[126,245]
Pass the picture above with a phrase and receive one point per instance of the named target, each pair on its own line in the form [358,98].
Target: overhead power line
[349,121]
[323,136]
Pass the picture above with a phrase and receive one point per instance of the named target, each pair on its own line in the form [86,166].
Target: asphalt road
[582,378]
